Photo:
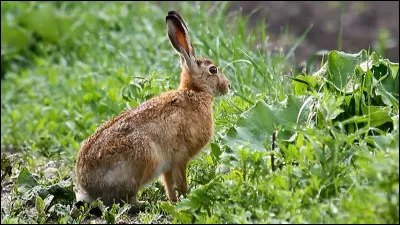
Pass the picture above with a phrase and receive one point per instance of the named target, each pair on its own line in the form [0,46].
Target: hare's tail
[82,195]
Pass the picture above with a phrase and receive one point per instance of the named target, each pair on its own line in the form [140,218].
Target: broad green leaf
[301,83]
[387,98]
[43,21]
[215,150]
[391,81]
[110,215]
[377,115]
[47,201]
[192,203]
[259,123]
[39,204]
[394,67]
[385,143]
[340,67]
[179,215]
[13,38]
[62,190]
[25,180]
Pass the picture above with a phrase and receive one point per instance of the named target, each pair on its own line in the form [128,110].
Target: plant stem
[273,150]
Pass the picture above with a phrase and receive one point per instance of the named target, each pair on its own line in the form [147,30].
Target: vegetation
[332,131]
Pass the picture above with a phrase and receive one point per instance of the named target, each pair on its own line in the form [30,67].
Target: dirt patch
[6,188]
[362,23]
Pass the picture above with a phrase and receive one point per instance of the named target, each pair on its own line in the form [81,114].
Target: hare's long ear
[179,36]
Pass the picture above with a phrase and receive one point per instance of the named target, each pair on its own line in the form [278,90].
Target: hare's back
[174,120]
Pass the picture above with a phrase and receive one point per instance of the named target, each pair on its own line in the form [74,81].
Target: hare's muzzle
[223,85]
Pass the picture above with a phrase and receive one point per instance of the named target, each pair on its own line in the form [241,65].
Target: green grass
[81,64]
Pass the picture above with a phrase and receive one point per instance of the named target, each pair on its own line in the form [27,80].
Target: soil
[362,22]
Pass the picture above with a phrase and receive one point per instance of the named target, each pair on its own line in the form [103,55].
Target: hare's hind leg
[134,202]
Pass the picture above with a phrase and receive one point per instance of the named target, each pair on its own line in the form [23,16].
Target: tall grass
[59,86]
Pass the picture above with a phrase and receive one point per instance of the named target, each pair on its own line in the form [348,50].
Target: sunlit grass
[108,57]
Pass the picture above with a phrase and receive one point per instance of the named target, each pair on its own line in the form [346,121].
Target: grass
[83,63]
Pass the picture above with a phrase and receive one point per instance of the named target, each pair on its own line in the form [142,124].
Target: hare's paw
[138,205]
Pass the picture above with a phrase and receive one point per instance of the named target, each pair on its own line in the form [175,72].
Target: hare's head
[198,73]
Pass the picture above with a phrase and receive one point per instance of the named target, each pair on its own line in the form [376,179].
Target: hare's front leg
[175,178]
[179,173]
[169,185]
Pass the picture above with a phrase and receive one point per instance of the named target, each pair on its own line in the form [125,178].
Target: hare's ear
[179,36]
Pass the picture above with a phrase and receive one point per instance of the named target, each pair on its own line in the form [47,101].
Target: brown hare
[157,137]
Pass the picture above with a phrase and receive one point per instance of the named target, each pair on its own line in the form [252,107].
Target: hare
[156,138]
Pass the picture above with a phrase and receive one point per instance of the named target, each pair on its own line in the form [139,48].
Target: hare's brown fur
[142,137]
[158,137]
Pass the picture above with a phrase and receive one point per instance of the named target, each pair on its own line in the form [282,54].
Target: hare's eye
[213,70]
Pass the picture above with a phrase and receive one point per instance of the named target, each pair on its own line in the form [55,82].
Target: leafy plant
[319,152]
[73,65]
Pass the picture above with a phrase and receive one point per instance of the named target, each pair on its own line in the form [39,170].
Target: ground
[362,23]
